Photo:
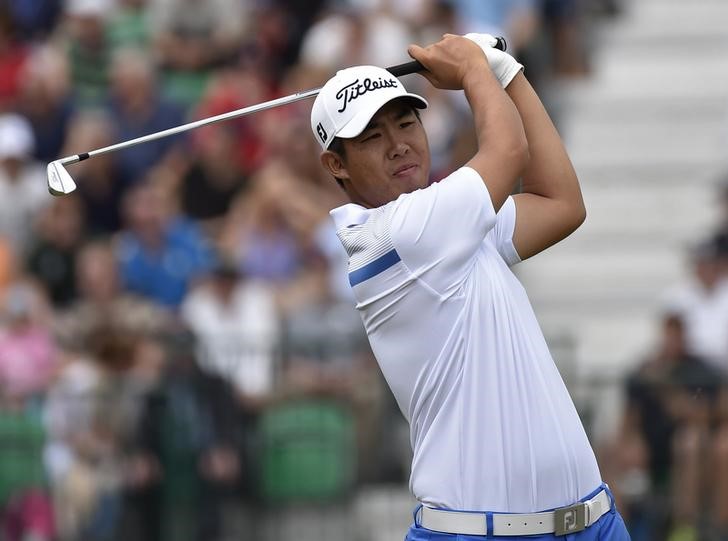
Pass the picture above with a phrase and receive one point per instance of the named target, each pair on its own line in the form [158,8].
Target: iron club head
[59,181]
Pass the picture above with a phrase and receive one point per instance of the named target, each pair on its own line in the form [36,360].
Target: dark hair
[337,146]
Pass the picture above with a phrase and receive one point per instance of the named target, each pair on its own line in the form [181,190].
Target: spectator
[275,234]
[28,356]
[349,37]
[23,190]
[565,21]
[213,180]
[280,26]
[413,12]
[193,37]
[720,235]
[516,20]
[702,301]
[26,510]
[92,414]
[88,49]
[100,187]
[664,448]
[129,26]
[34,19]
[141,469]
[52,259]
[46,101]
[13,55]
[28,363]
[281,133]
[257,234]
[160,254]
[235,322]
[101,298]
[230,90]
[137,109]
[314,191]
[191,425]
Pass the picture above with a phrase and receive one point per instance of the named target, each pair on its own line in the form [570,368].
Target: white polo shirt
[492,425]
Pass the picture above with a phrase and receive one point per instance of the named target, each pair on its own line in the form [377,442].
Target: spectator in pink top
[27,351]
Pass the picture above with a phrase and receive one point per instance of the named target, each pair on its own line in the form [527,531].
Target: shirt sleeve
[502,233]
[438,230]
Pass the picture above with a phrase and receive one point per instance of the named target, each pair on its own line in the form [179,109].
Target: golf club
[61,183]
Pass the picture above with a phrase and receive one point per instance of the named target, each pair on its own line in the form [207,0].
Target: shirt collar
[349,214]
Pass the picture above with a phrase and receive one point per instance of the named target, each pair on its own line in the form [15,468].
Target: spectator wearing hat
[22,181]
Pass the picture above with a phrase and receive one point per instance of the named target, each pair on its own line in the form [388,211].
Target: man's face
[389,158]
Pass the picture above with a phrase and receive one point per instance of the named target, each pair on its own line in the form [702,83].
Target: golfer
[499,450]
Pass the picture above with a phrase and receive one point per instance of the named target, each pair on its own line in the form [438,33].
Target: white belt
[565,520]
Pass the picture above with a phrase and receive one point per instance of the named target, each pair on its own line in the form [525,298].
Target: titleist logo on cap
[353,90]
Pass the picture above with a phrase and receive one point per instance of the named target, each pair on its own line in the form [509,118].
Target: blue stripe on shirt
[377,266]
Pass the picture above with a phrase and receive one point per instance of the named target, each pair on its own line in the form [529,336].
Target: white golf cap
[349,100]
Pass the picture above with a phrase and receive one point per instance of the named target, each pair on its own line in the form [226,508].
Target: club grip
[414,66]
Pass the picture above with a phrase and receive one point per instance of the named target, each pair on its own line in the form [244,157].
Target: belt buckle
[570,519]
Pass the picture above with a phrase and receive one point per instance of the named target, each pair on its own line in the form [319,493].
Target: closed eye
[406,124]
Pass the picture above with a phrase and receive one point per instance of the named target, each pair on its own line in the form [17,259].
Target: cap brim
[357,124]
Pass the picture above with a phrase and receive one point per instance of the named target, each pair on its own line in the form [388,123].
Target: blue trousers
[608,528]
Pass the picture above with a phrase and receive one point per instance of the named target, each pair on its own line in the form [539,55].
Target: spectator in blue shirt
[137,109]
[160,254]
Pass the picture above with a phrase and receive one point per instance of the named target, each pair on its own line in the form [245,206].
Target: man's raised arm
[550,206]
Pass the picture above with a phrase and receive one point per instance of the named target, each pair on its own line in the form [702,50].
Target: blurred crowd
[179,332]
[668,464]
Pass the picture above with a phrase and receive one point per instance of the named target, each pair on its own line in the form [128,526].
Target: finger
[418,53]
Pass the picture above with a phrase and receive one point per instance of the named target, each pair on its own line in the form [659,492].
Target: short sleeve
[438,230]
[502,233]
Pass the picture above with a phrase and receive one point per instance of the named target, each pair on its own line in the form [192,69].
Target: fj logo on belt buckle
[570,519]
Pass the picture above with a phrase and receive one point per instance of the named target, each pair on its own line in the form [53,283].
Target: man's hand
[504,66]
[456,62]
[449,61]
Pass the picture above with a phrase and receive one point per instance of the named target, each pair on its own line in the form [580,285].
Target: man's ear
[333,163]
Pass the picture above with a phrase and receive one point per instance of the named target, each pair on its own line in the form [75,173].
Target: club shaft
[398,71]
[192,125]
